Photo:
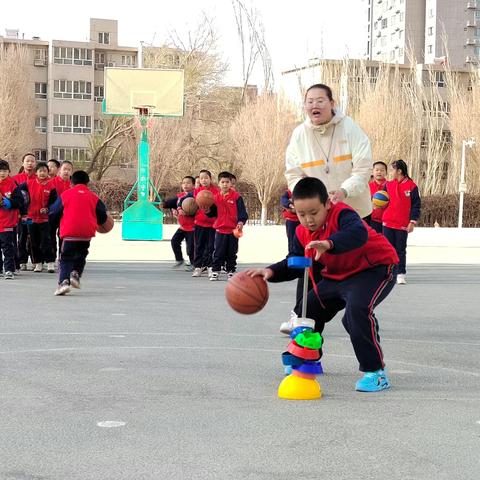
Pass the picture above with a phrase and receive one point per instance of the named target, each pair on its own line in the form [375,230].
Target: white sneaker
[214,277]
[9,276]
[209,272]
[287,327]
[51,267]
[401,280]
[23,267]
[38,267]
[63,288]
[197,272]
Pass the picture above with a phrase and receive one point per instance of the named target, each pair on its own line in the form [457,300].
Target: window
[104,37]
[40,155]
[383,41]
[477,15]
[384,22]
[99,58]
[72,56]
[440,79]
[436,109]
[72,123]
[77,89]
[40,56]
[431,13]
[375,25]
[430,30]
[372,73]
[392,55]
[400,53]
[40,90]
[429,48]
[72,154]
[128,60]
[476,32]
[41,124]
[98,93]
[401,16]
[400,34]
[98,125]
[476,51]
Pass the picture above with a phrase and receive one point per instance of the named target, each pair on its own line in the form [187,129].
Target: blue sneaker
[373,382]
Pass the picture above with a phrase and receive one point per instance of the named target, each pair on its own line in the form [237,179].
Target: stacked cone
[303,357]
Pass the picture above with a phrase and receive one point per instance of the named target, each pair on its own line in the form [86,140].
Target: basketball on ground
[189,207]
[107,226]
[380,198]
[204,199]
[246,294]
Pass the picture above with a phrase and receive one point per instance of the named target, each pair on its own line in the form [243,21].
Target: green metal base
[142,221]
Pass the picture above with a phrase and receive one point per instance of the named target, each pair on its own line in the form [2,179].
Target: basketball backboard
[127,89]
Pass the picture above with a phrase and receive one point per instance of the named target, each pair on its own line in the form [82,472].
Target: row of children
[395,219]
[41,200]
[209,234]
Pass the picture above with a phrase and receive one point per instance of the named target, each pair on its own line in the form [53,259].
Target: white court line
[119,314]
[263,350]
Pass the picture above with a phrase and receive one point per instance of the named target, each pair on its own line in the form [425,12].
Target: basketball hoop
[144,116]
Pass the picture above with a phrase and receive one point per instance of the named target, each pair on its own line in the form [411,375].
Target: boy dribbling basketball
[357,275]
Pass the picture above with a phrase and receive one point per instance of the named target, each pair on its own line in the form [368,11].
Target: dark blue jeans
[398,239]
[73,256]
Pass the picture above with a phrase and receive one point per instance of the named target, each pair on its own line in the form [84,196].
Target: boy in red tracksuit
[11,200]
[357,273]
[27,172]
[229,210]
[186,224]
[204,232]
[79,211]
[401,214]
[291,219]
[42,194]
[377,184]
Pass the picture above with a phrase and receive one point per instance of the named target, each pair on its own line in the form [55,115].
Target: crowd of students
[43,202]
[212,233]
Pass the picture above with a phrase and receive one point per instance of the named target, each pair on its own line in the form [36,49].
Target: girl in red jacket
[402,213]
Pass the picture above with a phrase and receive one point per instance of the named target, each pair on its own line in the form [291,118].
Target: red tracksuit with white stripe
[357,275]
[204,233]
[291,219]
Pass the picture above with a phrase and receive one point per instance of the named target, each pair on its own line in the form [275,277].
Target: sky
[295,30]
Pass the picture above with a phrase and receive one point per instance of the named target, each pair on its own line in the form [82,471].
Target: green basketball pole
[142,218]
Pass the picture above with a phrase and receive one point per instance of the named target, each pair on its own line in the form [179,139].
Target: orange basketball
[204,199]
[189,207]
[246,294]
[107,226]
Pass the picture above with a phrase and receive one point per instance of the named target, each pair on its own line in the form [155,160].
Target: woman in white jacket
[330,146]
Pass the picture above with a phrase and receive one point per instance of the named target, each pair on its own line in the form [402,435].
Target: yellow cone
[296,388]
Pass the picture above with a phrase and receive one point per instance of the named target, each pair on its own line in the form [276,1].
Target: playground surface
[190,386]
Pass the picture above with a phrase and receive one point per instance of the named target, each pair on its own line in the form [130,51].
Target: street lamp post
[462,188]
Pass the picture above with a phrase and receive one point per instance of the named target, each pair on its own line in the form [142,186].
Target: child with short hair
[229,210]
[358,273]
[27,172]
[379,179]
[41,194]
[53,167]
[401,214]
[79,211]
[10,201]
[186,224]
[204,232]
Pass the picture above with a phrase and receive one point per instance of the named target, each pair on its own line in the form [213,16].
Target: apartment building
[67,83]
[432,31]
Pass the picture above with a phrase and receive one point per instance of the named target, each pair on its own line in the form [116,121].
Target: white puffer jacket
[349,165]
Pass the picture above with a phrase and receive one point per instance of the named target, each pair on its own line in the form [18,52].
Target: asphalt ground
[193,385]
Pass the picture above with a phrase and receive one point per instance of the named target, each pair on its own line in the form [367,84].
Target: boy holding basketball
[357,273]
[229,210]
[186,223]
[79,211]
[377,184]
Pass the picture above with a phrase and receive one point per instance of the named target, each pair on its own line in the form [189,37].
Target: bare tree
[260,134]
[108,145]
[17,106]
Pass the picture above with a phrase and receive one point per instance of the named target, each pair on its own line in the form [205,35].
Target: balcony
[99,66]
[473,23]
[473,41]
[472,5]
[40,62]
[472,60]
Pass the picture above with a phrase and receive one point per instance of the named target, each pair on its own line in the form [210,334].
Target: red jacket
[60,184]
[230,211]
[377,213]
[186,223]
[201,218]
[40,194]
[23,177]
[8,217]
[286,200]
[338,266]
[404,205]
[82,212]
